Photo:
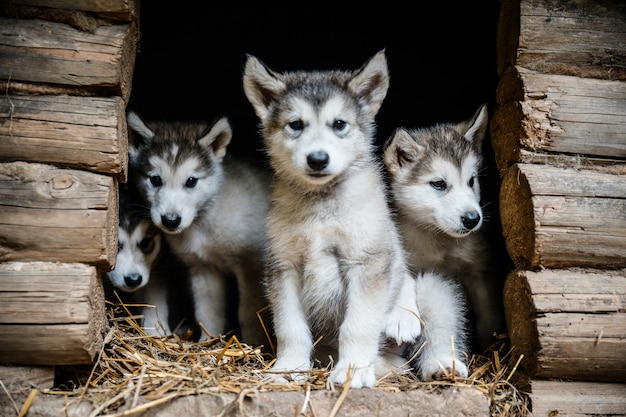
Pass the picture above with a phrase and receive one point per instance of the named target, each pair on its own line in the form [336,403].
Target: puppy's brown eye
[146,245]
[439,185]
[471,182]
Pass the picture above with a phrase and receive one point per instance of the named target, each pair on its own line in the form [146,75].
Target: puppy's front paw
[443,368]
[360,377]
[285,371]
[403,325]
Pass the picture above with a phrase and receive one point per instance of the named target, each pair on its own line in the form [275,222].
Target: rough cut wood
[569,323]
[580,38]
[562,217]
[50,313]
[53,214]
[117,7]
[40,51]
[77,132]
[577,399]
[555,114]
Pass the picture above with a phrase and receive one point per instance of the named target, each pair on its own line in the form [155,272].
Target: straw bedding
[135,372]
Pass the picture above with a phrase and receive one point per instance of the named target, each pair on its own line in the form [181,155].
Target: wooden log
[121,8]
[541,114]
[561,217]
[577,399]
[569,323]
[77,132]
[53,214]
[578,38]
[50,313]
[40,51]
[85,16]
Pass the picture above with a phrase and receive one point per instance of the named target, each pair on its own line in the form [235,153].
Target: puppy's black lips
[317,175]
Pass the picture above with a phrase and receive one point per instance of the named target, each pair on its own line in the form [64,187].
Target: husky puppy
[435,190]
[212,209]
[336,263]
[146,272]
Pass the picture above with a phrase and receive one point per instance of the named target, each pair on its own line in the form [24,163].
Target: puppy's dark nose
[171,220]
[133,280]
[318,160]
[470,219]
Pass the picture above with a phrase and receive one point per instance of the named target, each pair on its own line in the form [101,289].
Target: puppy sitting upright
[212,209]
[436,191]
[336,263]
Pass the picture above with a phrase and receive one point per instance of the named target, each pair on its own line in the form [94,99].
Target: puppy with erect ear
[336,268]
[434,175]
[212,209]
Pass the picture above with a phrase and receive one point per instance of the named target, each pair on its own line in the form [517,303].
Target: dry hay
[135,372]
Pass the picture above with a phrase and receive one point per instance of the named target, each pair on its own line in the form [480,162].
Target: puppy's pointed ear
[218,138]
[371,82]
[261,85]
[140,133]
[475,128]
[400,151]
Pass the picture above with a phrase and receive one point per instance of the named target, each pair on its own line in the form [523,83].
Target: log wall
[559,138]
[66,68]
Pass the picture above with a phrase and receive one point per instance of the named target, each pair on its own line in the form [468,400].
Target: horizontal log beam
[584,39]
[40,51]
[561,217]
[540,114]
[53,214]
[569,323]
[50,313]
[76,132]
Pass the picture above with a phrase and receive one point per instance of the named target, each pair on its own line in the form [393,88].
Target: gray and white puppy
[336,267]
[212,209]
[435,187]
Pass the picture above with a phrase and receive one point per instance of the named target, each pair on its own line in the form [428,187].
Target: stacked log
[65,71]
[559,138]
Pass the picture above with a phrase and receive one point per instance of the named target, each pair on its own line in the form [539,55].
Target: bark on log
[561,217]
[577,399]
[556,115]
[569,323]
[50,313]
[77,132]
[52,214]
[580,38]
[40,51]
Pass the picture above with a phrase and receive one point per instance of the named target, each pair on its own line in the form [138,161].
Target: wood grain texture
[99,6]
[76,132]
[53,214]
[561,217]
[50,313]
[577,399]
[569,323]
[579,38]
[41,51]
[541,114]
